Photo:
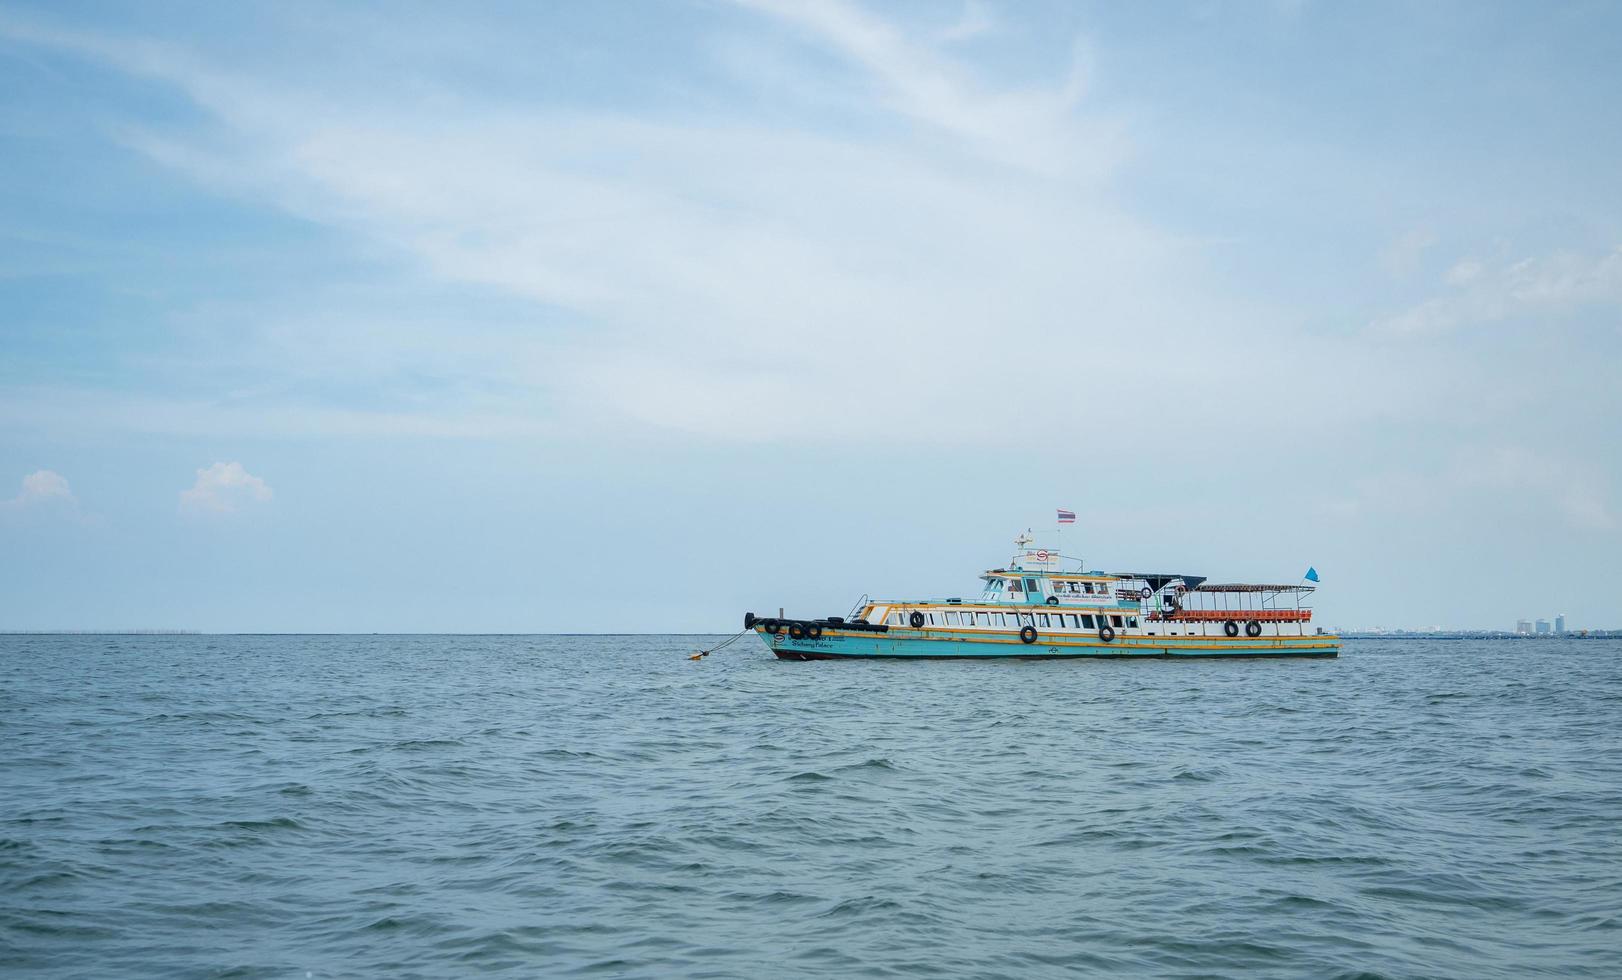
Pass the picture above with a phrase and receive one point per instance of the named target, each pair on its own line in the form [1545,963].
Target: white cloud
[1481,293]
[222,487]
[41,487]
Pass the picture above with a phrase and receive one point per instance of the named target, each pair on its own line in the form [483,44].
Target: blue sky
[604,317]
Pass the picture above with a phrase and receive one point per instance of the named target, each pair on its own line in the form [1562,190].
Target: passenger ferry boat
[1033,609]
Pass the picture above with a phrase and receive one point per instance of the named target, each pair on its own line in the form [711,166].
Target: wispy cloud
[974,20]
[1035,129]
[730,279]
[1402,257]
[1508,474]
[1480,292]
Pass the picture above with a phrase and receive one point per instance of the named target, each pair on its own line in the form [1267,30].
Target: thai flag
[1067,517]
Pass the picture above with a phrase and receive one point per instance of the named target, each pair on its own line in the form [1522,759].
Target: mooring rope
[700,655]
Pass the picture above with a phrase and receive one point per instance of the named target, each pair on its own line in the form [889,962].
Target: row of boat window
[1040,620]
[1059,588]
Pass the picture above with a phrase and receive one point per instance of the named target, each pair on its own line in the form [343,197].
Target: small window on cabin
[1075,621]
[1115,621]
[1042,620]
[951,619]
[1086,622]
[1088,586]
[1013,586]
[1030,585]
[894,619]
[1132,622]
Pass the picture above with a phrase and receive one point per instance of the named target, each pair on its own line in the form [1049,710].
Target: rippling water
[437,805]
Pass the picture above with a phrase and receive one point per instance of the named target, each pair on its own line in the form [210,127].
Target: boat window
[894,619]
[951,619]
[1115,621]
[1042,620]
[1030,585]
[1013,586]
[1075,623]
[1132,621]
[1088,586]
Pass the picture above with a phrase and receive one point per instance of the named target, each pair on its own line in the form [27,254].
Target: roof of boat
[1037,572]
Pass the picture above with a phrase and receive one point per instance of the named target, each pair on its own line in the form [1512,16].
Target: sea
[602,806]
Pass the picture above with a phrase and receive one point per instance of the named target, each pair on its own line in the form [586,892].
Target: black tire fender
[772,626]
[916,620]
[1053,600]
[796,631]
[1106,633]
[1253,629]
[1231,628]
[748,621]
[813,631]
[1027,634]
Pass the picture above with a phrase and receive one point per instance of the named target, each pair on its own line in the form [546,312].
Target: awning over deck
[1159,580]
[1240,587]
[1236,615]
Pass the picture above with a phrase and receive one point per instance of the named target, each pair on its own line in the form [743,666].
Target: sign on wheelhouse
[1033,608]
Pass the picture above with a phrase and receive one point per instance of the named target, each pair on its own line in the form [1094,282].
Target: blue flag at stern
[1312,575]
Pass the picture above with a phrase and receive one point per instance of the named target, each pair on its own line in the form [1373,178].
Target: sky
[630,317]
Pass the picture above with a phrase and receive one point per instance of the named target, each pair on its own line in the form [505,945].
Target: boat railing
[857,609]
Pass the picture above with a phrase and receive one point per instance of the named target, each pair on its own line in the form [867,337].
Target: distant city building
[1543,626]
[1523,626]
[1560,623]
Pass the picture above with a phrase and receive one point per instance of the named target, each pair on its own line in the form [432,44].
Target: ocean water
[324,806]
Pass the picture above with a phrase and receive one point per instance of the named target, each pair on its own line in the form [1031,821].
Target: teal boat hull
[924,644]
